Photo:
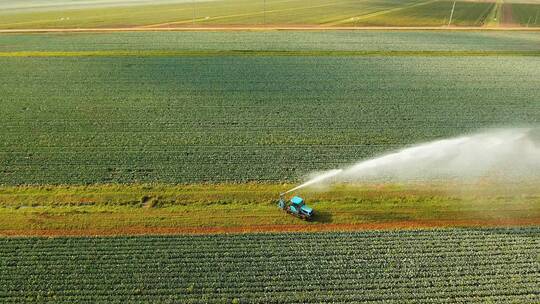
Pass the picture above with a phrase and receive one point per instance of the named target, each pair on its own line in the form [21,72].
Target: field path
[265,28]
[390,225]
[506,16]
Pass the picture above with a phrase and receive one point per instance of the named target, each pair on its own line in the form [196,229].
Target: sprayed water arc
[506,153]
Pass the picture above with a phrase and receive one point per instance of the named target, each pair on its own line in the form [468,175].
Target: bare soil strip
[507,19]
[391,225]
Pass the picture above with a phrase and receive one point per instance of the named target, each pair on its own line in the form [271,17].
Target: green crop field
[109,141]
[373,40]
[514,13]
[182,13]
[526,14]
[424,266]
[433,13]
[107,108]
[141,158]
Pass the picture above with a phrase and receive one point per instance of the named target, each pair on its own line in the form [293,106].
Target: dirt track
[506,18]
[417,224]
[264,28]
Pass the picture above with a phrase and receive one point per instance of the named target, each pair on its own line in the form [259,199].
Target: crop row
[428,266]
[237,118]
[292,40]
[371,239]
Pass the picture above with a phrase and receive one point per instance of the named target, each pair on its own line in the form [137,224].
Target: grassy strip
[123,209]
[128,53]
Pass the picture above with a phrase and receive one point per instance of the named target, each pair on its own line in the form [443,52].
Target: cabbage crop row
[183,119]
[424,266]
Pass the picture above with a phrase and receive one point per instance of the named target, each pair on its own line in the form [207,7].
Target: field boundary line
[411,225]
[127,53]
[266,28]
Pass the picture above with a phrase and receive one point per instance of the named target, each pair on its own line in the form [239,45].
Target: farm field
[419,266]
[226,208]
[432,13]
[525,14]
[306,41]
[205,112]
[183,13]
[513,13]
[145,167]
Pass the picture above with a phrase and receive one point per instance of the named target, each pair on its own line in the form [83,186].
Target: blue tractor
[296,206]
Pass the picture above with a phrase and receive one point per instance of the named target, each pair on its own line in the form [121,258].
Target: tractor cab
[296,206]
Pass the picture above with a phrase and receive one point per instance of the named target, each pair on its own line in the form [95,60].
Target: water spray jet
[507,153]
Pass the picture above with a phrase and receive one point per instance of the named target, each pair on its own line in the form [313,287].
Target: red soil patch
[506,18]
[417,224]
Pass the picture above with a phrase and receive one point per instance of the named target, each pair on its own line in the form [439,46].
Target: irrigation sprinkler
[264,12]
[193,17]
[452,13]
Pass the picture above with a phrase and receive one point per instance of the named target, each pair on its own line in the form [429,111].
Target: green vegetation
[493,18]
[433,13]
[198,111]
[424,266]
[168,133]
[527,15]
[125,209]
[182,13]
[268,53]
[373,40]
[197,133]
